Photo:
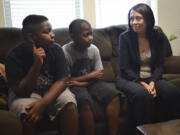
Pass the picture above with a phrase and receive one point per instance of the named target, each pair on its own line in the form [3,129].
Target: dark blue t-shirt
[20,60]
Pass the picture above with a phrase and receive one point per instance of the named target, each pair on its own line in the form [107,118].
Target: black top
[129,55]
[20,60]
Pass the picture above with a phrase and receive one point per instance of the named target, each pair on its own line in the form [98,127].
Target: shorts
[98,91]
[17,105]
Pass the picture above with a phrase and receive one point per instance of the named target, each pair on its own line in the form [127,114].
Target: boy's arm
[28,84]
[37,108]
[77,83]
[94,75]
[85,80]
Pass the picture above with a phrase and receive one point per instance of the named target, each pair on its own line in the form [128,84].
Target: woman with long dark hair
[142,52]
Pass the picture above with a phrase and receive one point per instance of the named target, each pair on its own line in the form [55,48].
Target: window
[112,12]
[59,12]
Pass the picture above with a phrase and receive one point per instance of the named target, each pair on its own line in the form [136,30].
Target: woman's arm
[124,58]
[158,59]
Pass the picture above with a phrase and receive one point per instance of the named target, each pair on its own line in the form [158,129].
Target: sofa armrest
[172,64]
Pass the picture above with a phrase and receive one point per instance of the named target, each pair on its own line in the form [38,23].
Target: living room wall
[2,24]
[169,21]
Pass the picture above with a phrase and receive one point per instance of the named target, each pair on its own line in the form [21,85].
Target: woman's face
[137,22]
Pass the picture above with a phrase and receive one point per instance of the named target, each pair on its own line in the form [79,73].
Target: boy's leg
[65,111]
[84,105]
[18,107]
[112,115]
[109,98]
[87,119]
[69,120]
[28,129]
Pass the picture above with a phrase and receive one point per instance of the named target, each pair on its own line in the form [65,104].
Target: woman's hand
[149,87]
[152,84]
[153,90]
[153,93]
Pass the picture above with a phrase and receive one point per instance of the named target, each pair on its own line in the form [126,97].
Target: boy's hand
[96,74]
[34,112]
[39,54]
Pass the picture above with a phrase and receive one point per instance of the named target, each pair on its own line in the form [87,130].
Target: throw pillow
[3,86]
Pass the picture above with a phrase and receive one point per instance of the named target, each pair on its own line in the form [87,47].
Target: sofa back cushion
[103,42]
[62,35]
[9,38]
[114,32]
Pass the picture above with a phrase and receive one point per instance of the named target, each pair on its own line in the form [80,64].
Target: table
[171,127]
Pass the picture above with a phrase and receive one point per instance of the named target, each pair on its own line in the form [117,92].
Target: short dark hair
[30,21]
[147,14]
[73,27]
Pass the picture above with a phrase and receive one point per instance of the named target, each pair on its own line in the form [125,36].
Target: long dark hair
[147,14]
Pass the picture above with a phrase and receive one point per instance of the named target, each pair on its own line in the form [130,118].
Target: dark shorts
[99,91]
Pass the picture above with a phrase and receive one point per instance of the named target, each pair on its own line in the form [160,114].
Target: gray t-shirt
[82,63]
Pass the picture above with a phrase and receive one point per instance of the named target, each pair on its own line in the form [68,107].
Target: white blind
[59,12]
[112,12]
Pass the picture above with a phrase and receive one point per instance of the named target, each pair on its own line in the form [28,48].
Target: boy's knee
[114,104]
[71,107]
[85,106]
[18,106]
[115,100]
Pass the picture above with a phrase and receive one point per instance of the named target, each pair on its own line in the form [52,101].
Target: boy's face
[84,37]
[43,35]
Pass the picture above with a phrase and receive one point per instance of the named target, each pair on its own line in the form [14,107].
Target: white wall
[89,11]
[2,24]
[169,21]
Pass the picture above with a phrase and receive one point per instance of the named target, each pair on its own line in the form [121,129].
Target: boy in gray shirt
[85,66]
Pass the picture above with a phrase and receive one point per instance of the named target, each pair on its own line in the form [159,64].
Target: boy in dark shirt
[37,73]
[85,66]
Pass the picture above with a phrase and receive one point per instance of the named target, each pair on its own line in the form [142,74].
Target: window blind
[112,12]
[59,12]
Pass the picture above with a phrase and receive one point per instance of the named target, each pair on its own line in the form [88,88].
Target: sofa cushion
[103,42]
[172,76]
[176,82]
[3,87]
[10,124]
[115,65]
[114,32]
[171,65]
[62,35]
[9,37]
[109,75]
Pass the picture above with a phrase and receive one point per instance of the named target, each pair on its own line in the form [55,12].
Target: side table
[171,127]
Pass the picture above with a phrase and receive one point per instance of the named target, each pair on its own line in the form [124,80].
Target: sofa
[106,39]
